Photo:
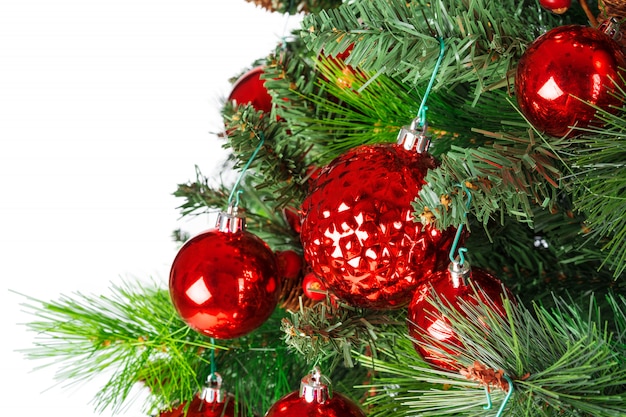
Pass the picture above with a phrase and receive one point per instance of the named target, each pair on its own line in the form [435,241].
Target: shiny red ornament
[429,327]
[212,402]
[224,282]
[556,6]
[562,71]
[313,287]
[358,231]
[289,263]
[314,400]
[250,89]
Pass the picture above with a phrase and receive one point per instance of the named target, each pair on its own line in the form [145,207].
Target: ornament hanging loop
[611,28]
[314,387]
[459,230]
[235,192]
[213,392]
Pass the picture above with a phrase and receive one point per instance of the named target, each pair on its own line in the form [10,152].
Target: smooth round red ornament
[562,71]
[224,282]
[358,231]
[556,6]
[201,408]
[289,263]
[314,400]
[429,327]
[250,89]
[313,287]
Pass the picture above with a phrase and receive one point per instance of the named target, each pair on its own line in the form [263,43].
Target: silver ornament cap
[314,389]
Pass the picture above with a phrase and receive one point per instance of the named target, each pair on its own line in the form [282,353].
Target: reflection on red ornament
[433,333]
[562,71]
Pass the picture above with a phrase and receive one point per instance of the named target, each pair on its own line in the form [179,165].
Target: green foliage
[564,361]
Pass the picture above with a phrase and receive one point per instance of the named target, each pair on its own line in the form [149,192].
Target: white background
[105,106]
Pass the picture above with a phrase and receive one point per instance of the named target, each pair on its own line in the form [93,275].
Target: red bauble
[289,263]
[225,282]
[556,6]
[561,71]
[201,408]
[427,325]
[313,287]
[358,231]
[250,89]
[212,402]
[314,400]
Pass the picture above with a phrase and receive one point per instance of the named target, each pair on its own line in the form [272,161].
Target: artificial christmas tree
[547,216]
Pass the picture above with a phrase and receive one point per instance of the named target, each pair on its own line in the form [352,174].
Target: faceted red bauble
[358,231]
[561,71]
[201,408]
[556,6]
[225,283]
[428,325]
[250,89]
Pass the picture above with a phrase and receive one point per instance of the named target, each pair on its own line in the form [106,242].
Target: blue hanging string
[421,113]
[213,366]
[243,172]
[506,398]
[459,230]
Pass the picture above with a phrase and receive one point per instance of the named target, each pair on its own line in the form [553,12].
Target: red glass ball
[428,325]
[202,408]
[289,263]
[358,231]
[556,6]
[562,67]
[225,284]
[292,405]
[250,89]
[313,287]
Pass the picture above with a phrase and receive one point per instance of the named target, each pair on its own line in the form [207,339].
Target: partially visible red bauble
[313,287]
[250,89]
[314,400]
[429,327]
[212,402]
[358,231]
[224,282]
[556,6]
[562,71]
[289,263]
[201,408]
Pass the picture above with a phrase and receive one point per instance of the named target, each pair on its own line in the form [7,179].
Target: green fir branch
[511,177]
[597,176]
[136,335]
[328,332]
[397,38]
[563,361]
[123,333]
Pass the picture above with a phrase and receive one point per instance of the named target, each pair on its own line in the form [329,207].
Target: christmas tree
[428,208]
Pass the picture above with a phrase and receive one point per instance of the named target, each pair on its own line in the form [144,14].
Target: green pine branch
[397,38]
[566,361]
[136,335]
[328,332]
